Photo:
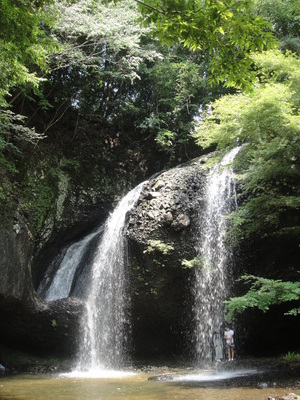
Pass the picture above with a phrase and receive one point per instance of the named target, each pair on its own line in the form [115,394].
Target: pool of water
[113,385]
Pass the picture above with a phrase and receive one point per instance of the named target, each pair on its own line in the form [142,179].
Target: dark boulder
[161,235]
[40,327]
[26,321]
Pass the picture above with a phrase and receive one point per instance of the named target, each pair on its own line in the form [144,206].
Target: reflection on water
[213,375]
[98,373]
[125,387]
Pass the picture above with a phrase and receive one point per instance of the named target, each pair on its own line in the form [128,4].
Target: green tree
[229,31]
[118,73]
[264,293]
[267,122]
[284,17]
[25,45]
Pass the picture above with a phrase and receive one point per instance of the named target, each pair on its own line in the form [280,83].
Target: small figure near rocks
[290,396]
[2,369]
[228,336]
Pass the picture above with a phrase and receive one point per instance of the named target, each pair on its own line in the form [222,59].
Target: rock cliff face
[26,321]
[66,185]
[158,242]
[161,234]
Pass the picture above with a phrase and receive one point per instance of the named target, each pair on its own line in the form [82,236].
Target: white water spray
[210,288]
[105,325]
[59,286]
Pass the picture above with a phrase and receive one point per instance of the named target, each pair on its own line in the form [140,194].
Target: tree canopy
[24,44]
[229,31]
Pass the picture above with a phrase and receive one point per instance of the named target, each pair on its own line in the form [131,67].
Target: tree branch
[160,11]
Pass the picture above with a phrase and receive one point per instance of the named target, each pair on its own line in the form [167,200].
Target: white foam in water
[214,375]
[98,373]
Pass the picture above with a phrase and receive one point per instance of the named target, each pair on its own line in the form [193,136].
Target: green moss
[158,245]
[196,262]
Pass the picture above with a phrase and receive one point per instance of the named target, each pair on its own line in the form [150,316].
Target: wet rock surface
[161,236]
[42,327]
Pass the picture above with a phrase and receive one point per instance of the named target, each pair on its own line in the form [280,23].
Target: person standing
[218,346]
[228,335]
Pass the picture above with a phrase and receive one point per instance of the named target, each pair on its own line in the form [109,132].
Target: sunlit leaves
[101,52]
[24,47]
[262,294]
[267,120]
[229,31]
[249,118]
[23,44]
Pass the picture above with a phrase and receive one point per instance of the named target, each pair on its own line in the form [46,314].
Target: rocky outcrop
[39,327]
[16,249]
[161,235]
[26,321]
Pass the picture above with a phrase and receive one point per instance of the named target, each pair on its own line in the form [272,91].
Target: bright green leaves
[229,31]
[101,55]
[269,165]
[23,44]
[267,118]
[258,118]
[262,294]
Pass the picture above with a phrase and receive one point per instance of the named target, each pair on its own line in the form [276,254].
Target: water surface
[128,386]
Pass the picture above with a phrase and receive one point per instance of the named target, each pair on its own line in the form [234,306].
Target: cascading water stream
[105,325]
[58,285]
[102,285]
[210,289]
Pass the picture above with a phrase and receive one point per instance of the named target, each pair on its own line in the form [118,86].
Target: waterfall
[60,275]
[105,325]
[100,278]
[210,288]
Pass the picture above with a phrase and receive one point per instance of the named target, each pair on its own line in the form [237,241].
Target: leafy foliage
[158,245]
[24,48]
[22,44]
[196,262]
[229,31]
[175,85]
[262,294]
[267,121]
[284,16]
[291,357]
[118,73]
[257,117]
